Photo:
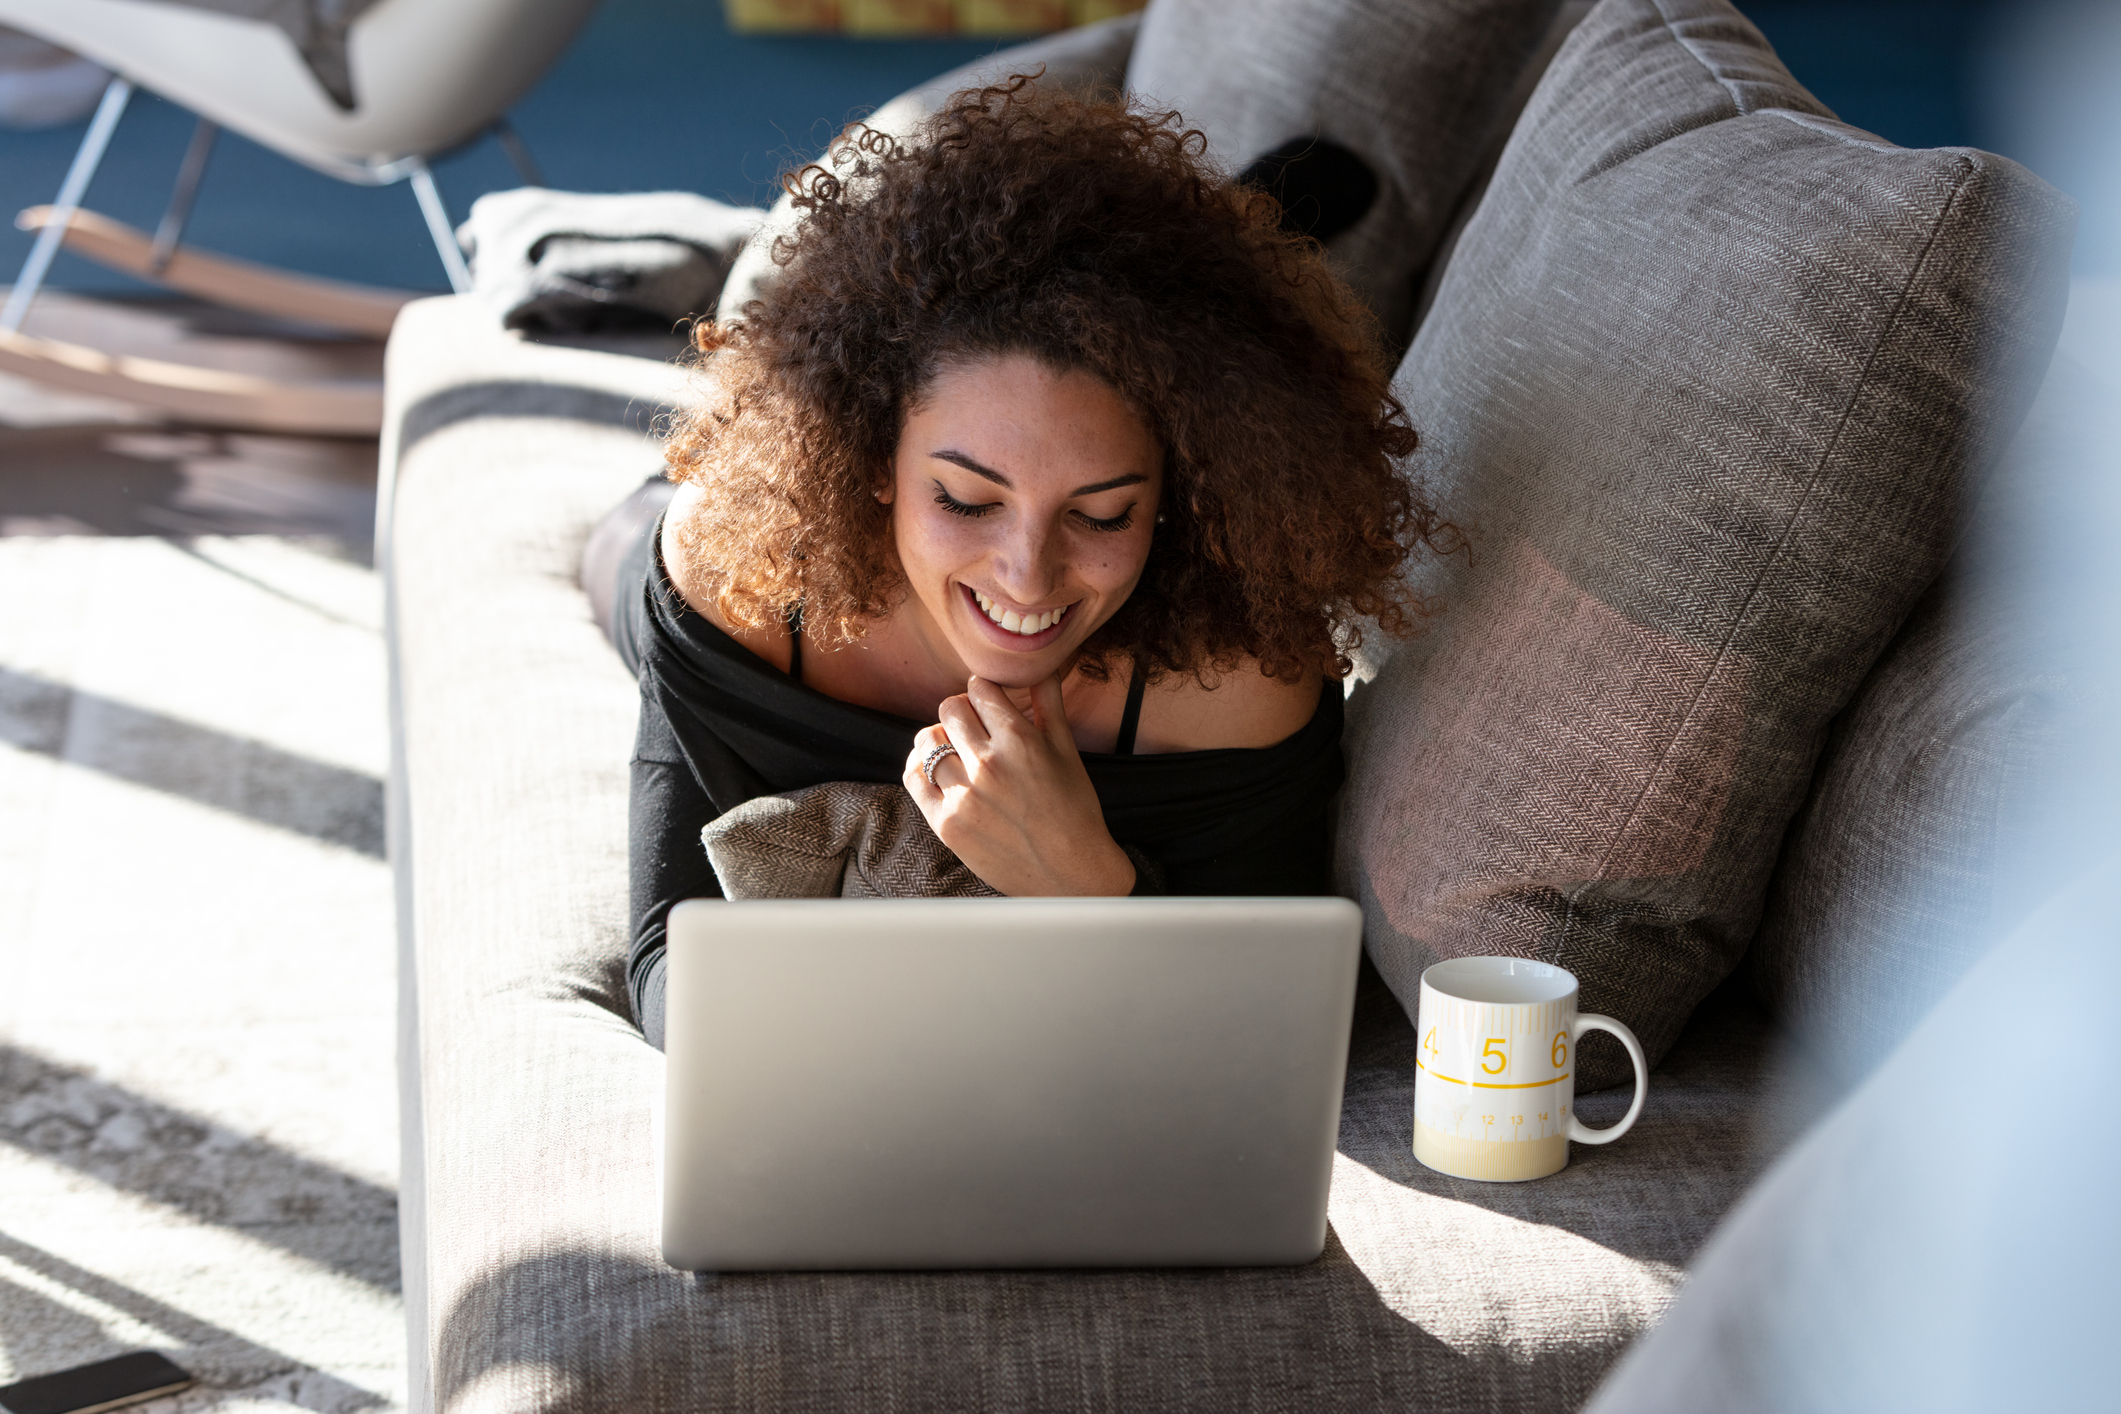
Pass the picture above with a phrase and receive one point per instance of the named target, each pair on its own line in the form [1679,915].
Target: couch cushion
[1410,89]
[1920,843]
[530,1188]
[1707,385]
[1434,1293]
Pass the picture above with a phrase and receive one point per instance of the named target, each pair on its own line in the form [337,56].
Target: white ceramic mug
[1495,1094]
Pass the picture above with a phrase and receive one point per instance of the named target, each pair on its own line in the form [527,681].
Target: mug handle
[1591,1021]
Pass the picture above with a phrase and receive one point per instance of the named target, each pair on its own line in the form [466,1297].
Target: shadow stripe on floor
[201,1168]
[211,768]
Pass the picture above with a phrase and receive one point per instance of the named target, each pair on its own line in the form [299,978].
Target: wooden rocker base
[210,396]
[240,284]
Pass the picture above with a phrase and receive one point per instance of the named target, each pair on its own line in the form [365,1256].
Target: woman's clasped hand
[1013,800]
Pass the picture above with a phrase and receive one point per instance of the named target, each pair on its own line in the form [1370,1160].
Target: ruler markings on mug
[1491,1085]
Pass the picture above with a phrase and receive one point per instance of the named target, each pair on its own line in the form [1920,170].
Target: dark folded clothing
[560,262]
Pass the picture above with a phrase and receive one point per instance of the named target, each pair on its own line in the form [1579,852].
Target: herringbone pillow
[843,839]
[1707,384]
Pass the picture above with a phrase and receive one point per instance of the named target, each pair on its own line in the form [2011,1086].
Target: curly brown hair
[1094,237]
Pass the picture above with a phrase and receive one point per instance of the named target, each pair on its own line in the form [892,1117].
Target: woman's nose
[1032,563]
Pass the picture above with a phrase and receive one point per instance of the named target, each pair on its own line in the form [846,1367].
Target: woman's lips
[1014,642]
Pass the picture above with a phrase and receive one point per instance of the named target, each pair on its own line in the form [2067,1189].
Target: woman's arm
[666,862]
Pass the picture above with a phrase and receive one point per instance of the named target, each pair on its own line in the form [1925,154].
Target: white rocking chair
[362,90]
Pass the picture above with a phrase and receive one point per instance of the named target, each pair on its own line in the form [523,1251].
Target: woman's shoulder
[689,578]
[1239,709]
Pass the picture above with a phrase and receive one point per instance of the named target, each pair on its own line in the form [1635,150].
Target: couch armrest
[498,454]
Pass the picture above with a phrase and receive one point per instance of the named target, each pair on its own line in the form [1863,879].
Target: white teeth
[1014,622]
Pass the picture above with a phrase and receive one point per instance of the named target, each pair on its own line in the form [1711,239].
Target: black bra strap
[795,640]
[1130,720]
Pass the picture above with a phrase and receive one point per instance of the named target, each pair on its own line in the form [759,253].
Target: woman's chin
[1010,666]
[1013,670]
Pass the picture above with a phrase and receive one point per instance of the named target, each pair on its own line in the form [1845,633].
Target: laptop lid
[1003,1082]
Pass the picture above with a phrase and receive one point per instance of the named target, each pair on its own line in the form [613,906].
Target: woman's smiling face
[1023,503]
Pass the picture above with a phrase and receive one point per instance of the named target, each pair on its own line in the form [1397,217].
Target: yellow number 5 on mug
[1497,1052]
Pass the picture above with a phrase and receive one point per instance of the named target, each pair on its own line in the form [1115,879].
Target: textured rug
[197,1106]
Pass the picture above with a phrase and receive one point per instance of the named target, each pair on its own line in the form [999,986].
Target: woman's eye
[956,507]
[1119,522]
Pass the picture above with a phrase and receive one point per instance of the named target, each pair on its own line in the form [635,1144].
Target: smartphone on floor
[89,1389]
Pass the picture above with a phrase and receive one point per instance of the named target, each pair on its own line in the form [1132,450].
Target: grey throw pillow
[1368,118]
[1708,384]
[1887,889]
[843,839]
[1923,840]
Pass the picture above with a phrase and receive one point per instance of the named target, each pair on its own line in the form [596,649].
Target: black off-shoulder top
[719,726]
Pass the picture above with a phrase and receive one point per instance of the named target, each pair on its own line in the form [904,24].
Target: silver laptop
[1003,1082]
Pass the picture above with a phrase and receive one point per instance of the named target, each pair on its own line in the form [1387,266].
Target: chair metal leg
[181,198]
[504,132]
[34,269]
[445,237]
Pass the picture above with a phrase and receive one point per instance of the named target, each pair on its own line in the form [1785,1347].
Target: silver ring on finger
[933,759]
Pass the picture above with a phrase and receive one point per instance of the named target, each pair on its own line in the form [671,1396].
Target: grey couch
[530,1101]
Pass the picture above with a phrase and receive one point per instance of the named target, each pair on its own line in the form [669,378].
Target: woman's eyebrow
[1131,479]
[960,459]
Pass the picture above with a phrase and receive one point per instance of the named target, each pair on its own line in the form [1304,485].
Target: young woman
[1050,479]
